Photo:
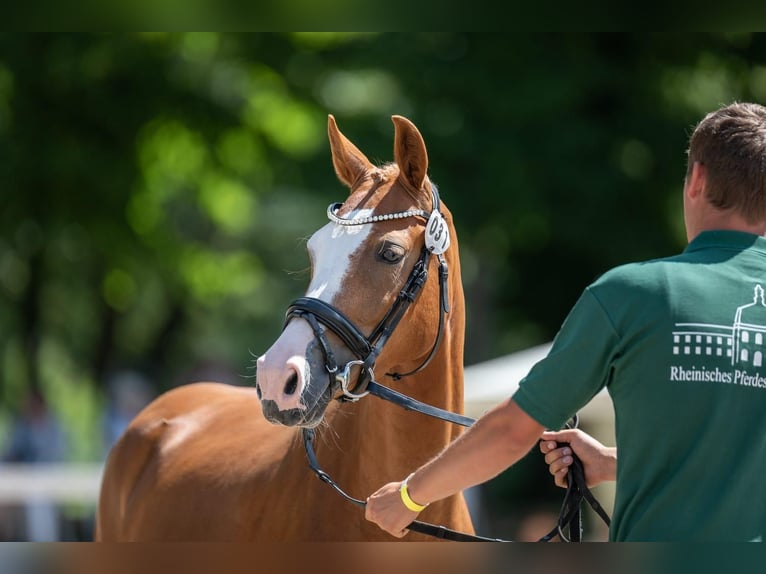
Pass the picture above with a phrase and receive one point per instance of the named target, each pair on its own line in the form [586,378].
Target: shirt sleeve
[576,368]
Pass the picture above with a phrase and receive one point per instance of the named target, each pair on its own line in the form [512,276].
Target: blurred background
[157,189]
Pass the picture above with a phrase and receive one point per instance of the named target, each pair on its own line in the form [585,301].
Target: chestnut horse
[215,462]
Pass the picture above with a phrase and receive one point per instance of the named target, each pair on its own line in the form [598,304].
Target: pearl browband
[334,207]
[437,235]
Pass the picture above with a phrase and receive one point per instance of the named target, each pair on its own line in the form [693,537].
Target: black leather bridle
[320,315]
[366,349]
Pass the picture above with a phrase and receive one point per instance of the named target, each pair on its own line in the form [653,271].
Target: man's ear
[695,181]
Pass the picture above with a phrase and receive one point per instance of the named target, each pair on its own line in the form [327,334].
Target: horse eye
[391,252]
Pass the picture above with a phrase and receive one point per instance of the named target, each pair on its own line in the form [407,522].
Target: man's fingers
[560,465]
[557,454]
[547,446]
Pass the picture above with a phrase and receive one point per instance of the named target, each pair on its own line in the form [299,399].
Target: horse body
[209,461]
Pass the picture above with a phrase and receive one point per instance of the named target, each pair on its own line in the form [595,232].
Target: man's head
[729,148]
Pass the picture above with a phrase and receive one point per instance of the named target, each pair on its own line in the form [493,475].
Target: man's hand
[599,461]
[386,509]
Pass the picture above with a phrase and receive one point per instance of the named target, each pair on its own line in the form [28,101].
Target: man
[679,343]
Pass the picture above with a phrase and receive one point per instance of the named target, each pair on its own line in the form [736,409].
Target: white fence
[60,483]
[33,496]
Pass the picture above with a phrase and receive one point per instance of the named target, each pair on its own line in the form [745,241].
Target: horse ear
[410,153]
[350,163]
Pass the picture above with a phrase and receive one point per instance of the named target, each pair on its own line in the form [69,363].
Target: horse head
[369,304]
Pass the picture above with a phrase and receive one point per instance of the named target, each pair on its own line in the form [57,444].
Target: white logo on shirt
[742,342]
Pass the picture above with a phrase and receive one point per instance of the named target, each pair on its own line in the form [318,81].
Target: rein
[416,526]
[570,515]
[320,314]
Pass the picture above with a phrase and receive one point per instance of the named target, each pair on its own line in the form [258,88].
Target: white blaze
[332,247]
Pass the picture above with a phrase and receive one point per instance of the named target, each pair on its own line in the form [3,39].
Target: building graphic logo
[742,344]
[749,329]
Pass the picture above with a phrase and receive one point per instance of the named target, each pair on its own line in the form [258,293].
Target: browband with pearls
[334,207]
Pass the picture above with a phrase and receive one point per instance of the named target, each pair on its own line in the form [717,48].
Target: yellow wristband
[408,502]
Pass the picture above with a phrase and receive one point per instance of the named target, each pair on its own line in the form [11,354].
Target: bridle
[320,315]
[366,349]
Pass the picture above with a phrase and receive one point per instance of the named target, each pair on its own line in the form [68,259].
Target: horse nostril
[292,384]
[258,391]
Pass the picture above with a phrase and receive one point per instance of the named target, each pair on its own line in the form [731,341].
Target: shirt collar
[727,239]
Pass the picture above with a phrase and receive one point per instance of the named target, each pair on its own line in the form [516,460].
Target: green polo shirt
[680,344]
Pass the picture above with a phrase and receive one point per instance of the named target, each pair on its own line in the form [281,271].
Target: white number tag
[437,234]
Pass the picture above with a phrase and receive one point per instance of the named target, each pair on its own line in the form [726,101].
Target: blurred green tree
[156,189]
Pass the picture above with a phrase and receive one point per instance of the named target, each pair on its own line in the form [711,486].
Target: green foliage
[156,189]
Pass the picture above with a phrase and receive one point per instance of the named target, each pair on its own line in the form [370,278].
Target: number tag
[437,234]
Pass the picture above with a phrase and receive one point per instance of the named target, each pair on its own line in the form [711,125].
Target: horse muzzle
[292,380]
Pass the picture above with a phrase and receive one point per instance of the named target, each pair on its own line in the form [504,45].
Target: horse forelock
[391,171]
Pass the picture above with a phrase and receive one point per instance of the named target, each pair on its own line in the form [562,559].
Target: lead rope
[577,490]
[434,530]
[569,516]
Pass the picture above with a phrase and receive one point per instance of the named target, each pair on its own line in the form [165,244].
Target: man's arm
[493,443]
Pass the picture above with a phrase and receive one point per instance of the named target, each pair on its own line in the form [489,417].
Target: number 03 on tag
[437,234]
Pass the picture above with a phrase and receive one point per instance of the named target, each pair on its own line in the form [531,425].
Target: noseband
[320,314]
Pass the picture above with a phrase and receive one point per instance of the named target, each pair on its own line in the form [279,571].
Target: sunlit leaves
[178,166]
[241,152]
[144,212]
[74,399]
[296,128]
[119,289]
[227,202]
[199,46]
[360,91]
[212,276]
[757,82]
[172,157]
[318,40]
[709,84]
[14,272]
